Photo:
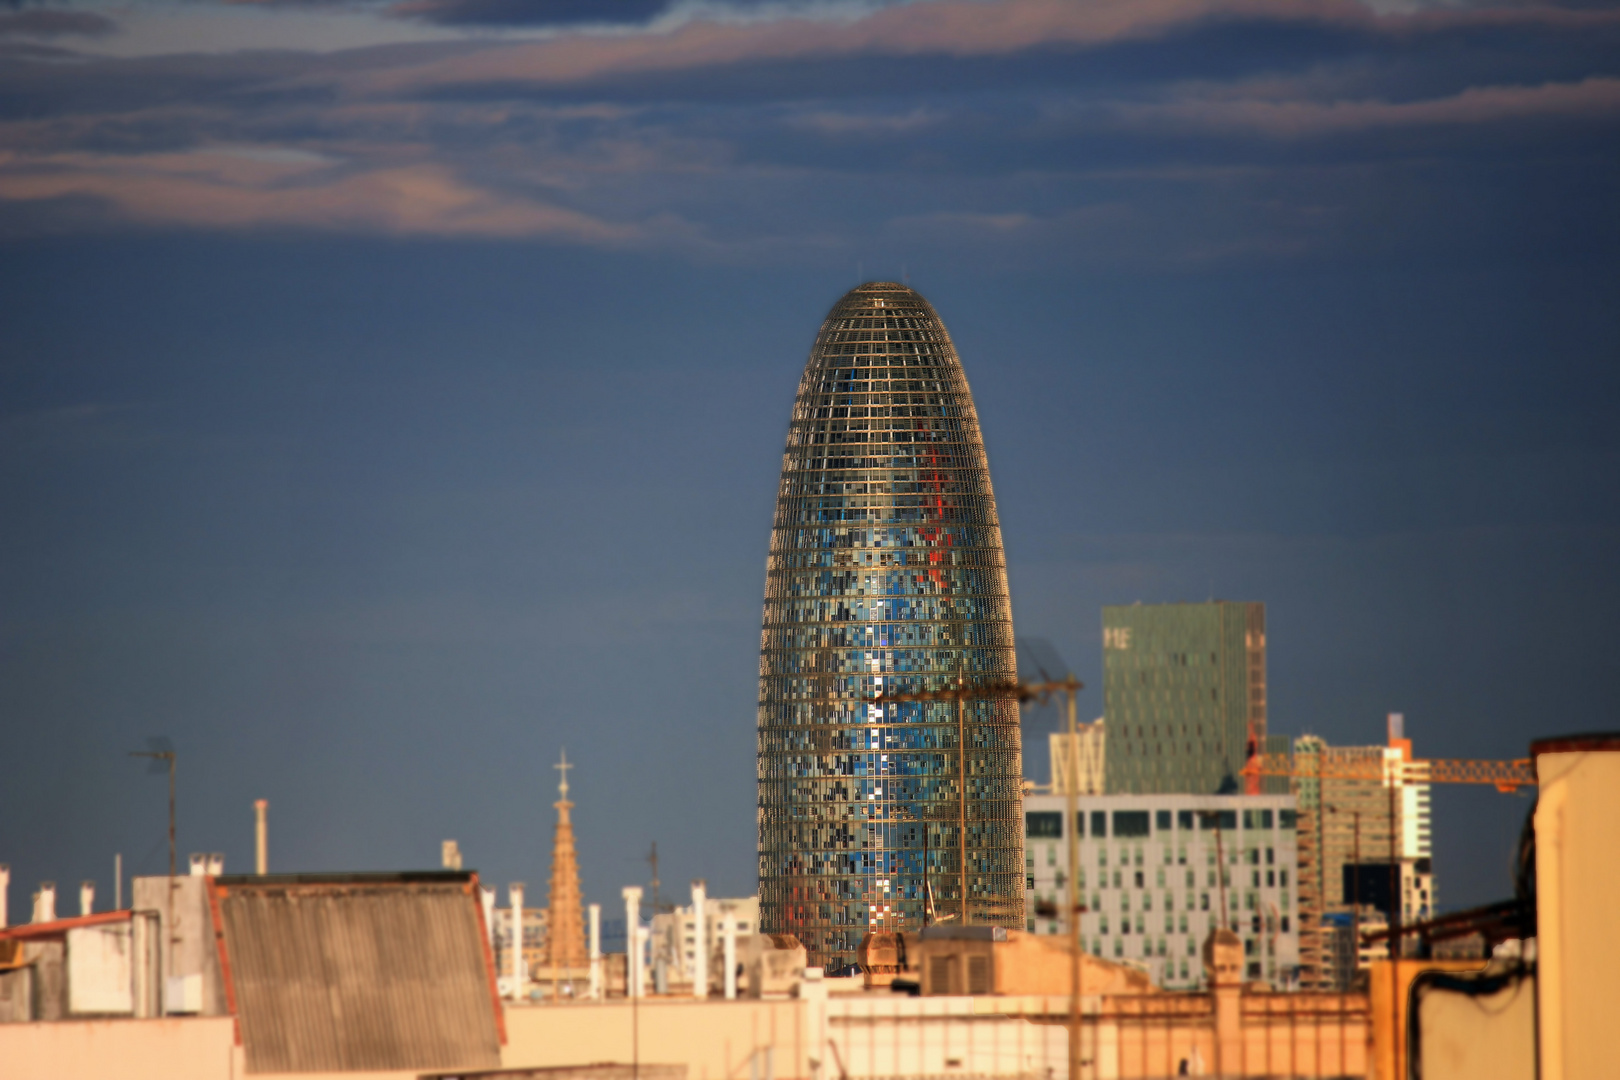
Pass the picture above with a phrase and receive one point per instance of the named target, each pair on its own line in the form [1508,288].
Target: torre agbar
[885,577]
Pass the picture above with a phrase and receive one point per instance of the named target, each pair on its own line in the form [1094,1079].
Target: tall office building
[1355,829]
[1184,689]
[885,576]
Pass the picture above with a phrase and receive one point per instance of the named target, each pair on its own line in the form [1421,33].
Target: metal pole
[1355,908]
[1072,812]
[961,779]
[1394,929]
[171,816]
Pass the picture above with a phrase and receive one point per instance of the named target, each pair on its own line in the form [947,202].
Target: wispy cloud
[261,188]
[792,128]
[51,23]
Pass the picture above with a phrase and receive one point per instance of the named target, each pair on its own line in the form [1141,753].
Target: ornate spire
[565,937]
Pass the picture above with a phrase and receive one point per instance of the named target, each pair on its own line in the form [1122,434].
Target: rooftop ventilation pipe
[261,836]
[87,898]
[45,902]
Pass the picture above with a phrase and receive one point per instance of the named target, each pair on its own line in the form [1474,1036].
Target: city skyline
[391,395]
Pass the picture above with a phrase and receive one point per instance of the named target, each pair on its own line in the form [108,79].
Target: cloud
[1596,97]
[52,23]
[228,188]
[529,12]
[1208,128]
[947,29]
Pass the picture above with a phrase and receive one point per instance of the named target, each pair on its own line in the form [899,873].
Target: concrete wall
[859,1037]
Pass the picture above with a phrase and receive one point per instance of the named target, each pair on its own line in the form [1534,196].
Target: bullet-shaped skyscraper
[885,576]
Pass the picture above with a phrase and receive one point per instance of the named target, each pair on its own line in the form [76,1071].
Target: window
[1131,823]
[1287,819]
[1184,819]
[1282,878]
[1099,823]
[1250,821]
[1081,879]
[978,974]
[1041,823]
[1271,856]
[1191,874]
[1181,855]
[1160,877]
[1203,901]
[1265,819]
[1183,923]
[941,974]
[1138,855]
[1254,856]
[1139,879]
[1167,859]
[1285,924]
[1102,856]
[1163,820]
[1271,878]
[1169,901]
[1079,823]
[1225,819]
[1102,926]
[1256,881]
[1147,901]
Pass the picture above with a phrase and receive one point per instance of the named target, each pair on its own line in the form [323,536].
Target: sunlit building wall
[885,575]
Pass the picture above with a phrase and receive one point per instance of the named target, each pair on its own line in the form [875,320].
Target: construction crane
[1394,768]
[1506,776]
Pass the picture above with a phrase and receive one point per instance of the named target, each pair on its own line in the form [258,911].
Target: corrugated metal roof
[359,973]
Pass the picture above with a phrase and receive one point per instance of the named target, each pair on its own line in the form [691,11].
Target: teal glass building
[885,576]
[1184,689]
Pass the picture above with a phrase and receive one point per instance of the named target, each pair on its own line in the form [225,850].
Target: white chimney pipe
[486,894]
[87,898]
[216,864]
[5,894]
[199,864]
[45,902]
[700,940]
[594,911]
[632,940]
[728,927]
[261,836]
[450,855]
[514,892]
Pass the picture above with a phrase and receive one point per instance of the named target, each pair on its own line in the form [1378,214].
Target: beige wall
[874,1035]
[1577,886]
[714,1039]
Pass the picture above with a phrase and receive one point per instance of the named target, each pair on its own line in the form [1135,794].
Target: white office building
[1156,871]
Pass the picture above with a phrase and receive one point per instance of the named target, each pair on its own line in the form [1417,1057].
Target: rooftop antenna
[653,859]
[161,753]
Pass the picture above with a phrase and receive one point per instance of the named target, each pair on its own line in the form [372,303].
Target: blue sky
[392,394]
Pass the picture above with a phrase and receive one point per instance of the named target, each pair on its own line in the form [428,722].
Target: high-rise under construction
[885,577]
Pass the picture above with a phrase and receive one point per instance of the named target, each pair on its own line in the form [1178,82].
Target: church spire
[565,937]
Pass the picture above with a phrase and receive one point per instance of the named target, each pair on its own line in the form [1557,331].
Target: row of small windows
[1129,823]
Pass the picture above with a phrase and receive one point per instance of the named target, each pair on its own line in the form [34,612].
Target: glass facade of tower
[1183,686]
[885,576]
